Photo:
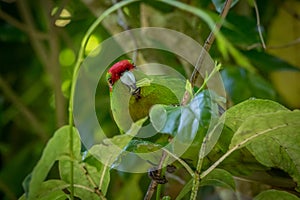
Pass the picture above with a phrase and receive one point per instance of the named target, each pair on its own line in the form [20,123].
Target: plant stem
[209,41]
[79,60]
[258,25]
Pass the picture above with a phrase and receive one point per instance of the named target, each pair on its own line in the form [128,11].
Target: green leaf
[276,195]
[187,124]
[57,148]
[165,119]
[219,4]
[241,162]
[273,139]
[240,84]
[112,148]
[52,189]
[219,177]
[99,173]
[84,176]
[166,198]
[239,113]
[268,63]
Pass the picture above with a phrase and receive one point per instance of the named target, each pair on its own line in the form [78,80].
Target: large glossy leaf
[241,84]
[241,162]
[276,195]
[57,148]
[187,124]
[273,139]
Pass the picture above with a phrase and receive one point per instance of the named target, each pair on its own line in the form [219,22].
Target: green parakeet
[132,97]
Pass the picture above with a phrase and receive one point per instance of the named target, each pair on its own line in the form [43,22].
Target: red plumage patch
[118,69]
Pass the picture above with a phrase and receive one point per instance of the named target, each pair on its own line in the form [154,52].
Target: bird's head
[121,70]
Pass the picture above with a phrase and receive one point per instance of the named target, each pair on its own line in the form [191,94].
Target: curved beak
[128,79]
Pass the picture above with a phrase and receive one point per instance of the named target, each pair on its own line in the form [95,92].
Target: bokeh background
[39,42]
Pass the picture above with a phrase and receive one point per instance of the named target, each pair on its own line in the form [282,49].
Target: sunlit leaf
[273,139]
[52,189]
[57,148]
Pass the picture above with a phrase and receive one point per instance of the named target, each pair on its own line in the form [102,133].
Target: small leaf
[219,177]
[52,189]
[158,116]
[275,195]
[219,4]
[168,120]
[273,139]
[111,148]
[57,148]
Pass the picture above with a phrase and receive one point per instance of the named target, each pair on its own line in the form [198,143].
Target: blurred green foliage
[38,46]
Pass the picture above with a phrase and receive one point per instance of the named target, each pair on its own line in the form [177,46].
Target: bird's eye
[110,81]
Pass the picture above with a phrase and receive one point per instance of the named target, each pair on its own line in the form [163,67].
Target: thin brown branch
[12,21]
[207,45]
[280,46]
[49,58]
[122,22]
[209,41]
[29,116]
